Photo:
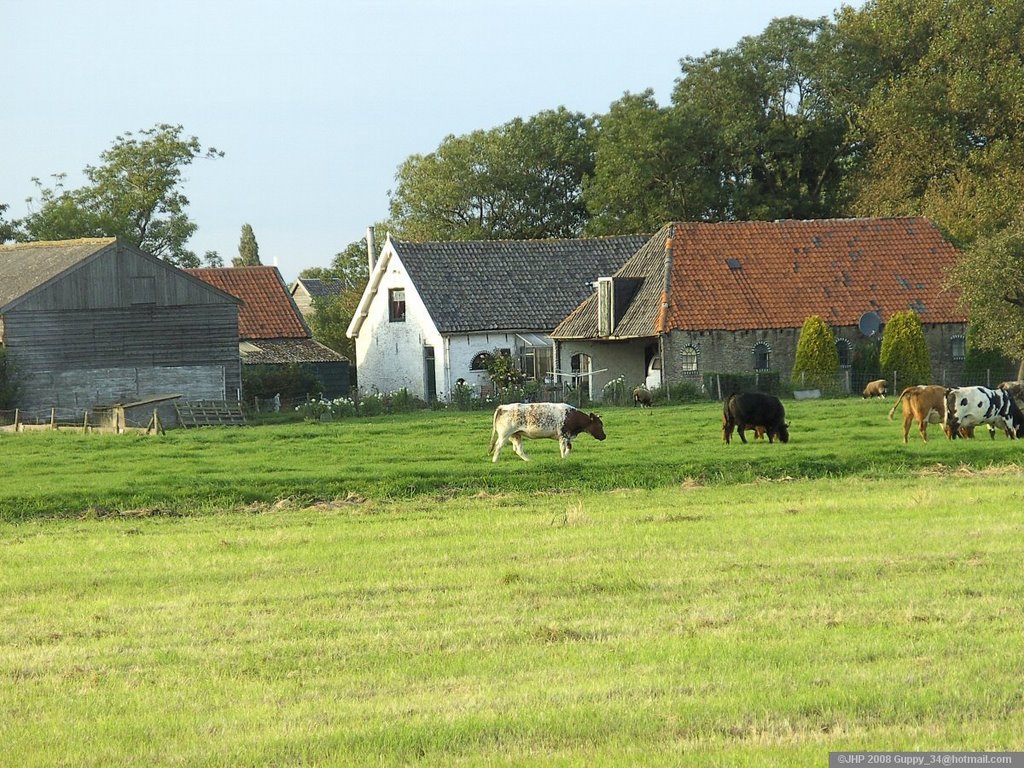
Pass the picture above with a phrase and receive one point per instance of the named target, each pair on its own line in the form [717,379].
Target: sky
[316,103]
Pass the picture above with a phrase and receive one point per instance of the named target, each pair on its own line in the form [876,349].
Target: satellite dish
[869,323]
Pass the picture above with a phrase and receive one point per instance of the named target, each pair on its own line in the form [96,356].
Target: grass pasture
[376,592]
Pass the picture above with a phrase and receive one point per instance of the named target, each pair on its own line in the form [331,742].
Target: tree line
[899,107]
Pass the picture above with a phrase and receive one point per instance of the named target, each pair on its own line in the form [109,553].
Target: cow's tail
[494,433]
[896,404]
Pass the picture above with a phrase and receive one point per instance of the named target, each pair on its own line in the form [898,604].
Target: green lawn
[376,592]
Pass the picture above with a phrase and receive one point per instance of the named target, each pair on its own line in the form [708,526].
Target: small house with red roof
[271,330]
[732,297]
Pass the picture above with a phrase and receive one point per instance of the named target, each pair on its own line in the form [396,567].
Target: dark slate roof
[509,284]
[317,287]
[752,275]
[640,318]
[268,310]
[26,266]
[276,351]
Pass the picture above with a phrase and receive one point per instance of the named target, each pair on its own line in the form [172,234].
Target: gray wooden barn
[97,321]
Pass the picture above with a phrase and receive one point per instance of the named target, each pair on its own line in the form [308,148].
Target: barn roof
[27,266]
[316,286]
[753,275]
[268,310]
[509,284]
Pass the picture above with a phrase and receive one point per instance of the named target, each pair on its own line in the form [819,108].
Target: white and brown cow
[966,407]
[557,421]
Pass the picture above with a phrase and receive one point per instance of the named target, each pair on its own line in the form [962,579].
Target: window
[845,352]
[762,356]
[688,360]
[396,305]
[536,362]
[480,361]
[958,347]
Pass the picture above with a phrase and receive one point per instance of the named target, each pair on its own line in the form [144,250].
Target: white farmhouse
[432,312]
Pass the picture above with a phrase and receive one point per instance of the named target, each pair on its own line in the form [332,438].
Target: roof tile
[268,310]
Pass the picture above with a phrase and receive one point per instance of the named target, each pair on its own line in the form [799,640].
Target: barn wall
[102,356]
[733,351]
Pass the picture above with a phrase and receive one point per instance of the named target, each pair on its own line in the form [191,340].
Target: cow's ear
[594,416]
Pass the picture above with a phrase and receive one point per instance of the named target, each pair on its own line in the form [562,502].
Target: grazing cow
[876,388]
[966,407]
[558,421]
[641,397]
[751,410]
[924,403]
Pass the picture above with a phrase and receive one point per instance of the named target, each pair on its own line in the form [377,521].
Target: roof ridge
[61,243]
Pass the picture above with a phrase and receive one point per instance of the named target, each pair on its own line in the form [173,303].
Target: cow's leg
[923,426]
[498,445]
[565,445]
[517,446]
[908,419]
[741,429]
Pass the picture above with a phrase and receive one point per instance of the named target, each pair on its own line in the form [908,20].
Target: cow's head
[950,423]
[782,433]
[596,427]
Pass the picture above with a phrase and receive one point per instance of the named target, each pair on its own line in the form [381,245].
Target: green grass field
[376,592]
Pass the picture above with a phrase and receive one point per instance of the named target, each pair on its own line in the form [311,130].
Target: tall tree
[248,250]
[6,228]
[332,314]
[991,279]
[941,120]
[134,194]
[653,164]
[764,104]
[520,180]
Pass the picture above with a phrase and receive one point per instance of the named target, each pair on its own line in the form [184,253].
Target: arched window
[479,362]
[958,347]
[688,359]
[762,356]
[845,351]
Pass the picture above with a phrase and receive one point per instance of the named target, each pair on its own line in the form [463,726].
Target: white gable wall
[389,355]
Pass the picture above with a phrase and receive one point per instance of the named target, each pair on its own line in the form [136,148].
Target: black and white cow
[557,421]
[966,407]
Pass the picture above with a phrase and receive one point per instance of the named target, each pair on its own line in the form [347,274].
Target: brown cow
[924,403]
[876,388]
[642,397]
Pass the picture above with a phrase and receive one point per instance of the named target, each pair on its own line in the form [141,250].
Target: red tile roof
[749,275]
[267,311]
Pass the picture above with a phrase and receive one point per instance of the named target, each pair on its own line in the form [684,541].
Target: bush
[292,382]
[905,351]
[817,360]
[680,392]
[615,392]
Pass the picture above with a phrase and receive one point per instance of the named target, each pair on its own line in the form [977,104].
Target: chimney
[371,249]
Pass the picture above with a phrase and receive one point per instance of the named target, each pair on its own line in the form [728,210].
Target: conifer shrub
[904,351]
[817,360]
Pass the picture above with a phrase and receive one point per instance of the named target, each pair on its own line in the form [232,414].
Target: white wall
[612,360]
[462,348]
[389,355]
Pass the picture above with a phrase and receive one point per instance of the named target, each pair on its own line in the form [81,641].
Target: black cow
[750,410]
